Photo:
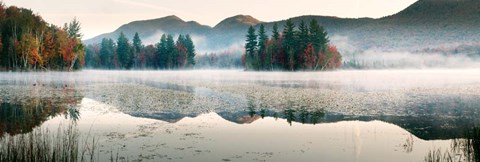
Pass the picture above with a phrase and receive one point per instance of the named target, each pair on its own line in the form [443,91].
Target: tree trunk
[73,63]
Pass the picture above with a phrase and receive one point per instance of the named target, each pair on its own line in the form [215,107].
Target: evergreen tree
[90,57]
[191,51]
[171,52]
[162,52]
[124,52]
[275,33]
[262,40]
[303,35]
[107,50]
[302,43]
[74,29]
[181,52]
[292,50]
[318,36]
[250,47]
[275,50]
[270,47]
[137,49]
[289,43]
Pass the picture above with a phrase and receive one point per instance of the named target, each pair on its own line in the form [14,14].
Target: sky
[102,16]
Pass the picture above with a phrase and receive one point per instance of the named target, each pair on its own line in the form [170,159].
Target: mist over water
[395,58]
[406,60]
[195,114]
[346,79]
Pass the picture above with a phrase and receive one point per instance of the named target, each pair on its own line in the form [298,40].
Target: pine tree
[137,49]
[318,36]
[73,29]
[275,33]
[181,52]
[250,47]
[275,50]
[107,50]
[303,41]
[170,52]
[289,43]
[162,52]
[262,40]
[124,51]
[191,51]
[303,35]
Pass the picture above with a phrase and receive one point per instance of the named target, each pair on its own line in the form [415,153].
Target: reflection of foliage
[316,116]
[467,149]
[472,145]
[43,145]
[251,108]
[408,146]
[292,112]
[290,115]
[17,118]
[263,113]
[275,115]
[303,115]
[73,114]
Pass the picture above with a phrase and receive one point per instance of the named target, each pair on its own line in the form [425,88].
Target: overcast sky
[101,16]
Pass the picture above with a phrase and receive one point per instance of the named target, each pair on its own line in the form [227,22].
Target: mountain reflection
[423,127]
[21,116]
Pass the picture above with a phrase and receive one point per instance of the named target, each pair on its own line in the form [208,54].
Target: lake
[232,115]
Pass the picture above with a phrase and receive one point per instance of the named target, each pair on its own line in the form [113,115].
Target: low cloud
[154,38]
[380,59]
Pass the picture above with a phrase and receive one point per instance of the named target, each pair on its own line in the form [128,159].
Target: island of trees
[27,42]
[307,48]
[166,54]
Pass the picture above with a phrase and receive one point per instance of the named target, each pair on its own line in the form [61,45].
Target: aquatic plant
[42,145]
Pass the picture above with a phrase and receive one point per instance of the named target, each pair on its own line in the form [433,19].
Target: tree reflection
[303,115]
[467,149]
[263,113]
[471,145]
[251,108]
[22,116]
[290,115]
[72,113]
[408,145]
[316,116]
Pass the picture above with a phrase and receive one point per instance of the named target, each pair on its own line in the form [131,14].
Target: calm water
[246,116]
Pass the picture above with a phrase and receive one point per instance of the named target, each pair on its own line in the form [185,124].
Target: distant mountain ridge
[424,24]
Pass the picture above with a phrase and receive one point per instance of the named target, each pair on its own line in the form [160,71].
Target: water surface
[232,115]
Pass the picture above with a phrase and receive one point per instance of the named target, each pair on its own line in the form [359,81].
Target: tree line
[304,48]
[166,54]
[228,59]
[27,42]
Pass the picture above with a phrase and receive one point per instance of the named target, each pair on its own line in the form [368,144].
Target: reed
[42,145]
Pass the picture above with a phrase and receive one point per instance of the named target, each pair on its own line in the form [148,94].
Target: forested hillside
[426,24]
[125,54]
[29,43]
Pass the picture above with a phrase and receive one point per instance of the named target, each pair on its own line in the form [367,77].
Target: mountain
[147,29]
[237,22]
[426,24]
